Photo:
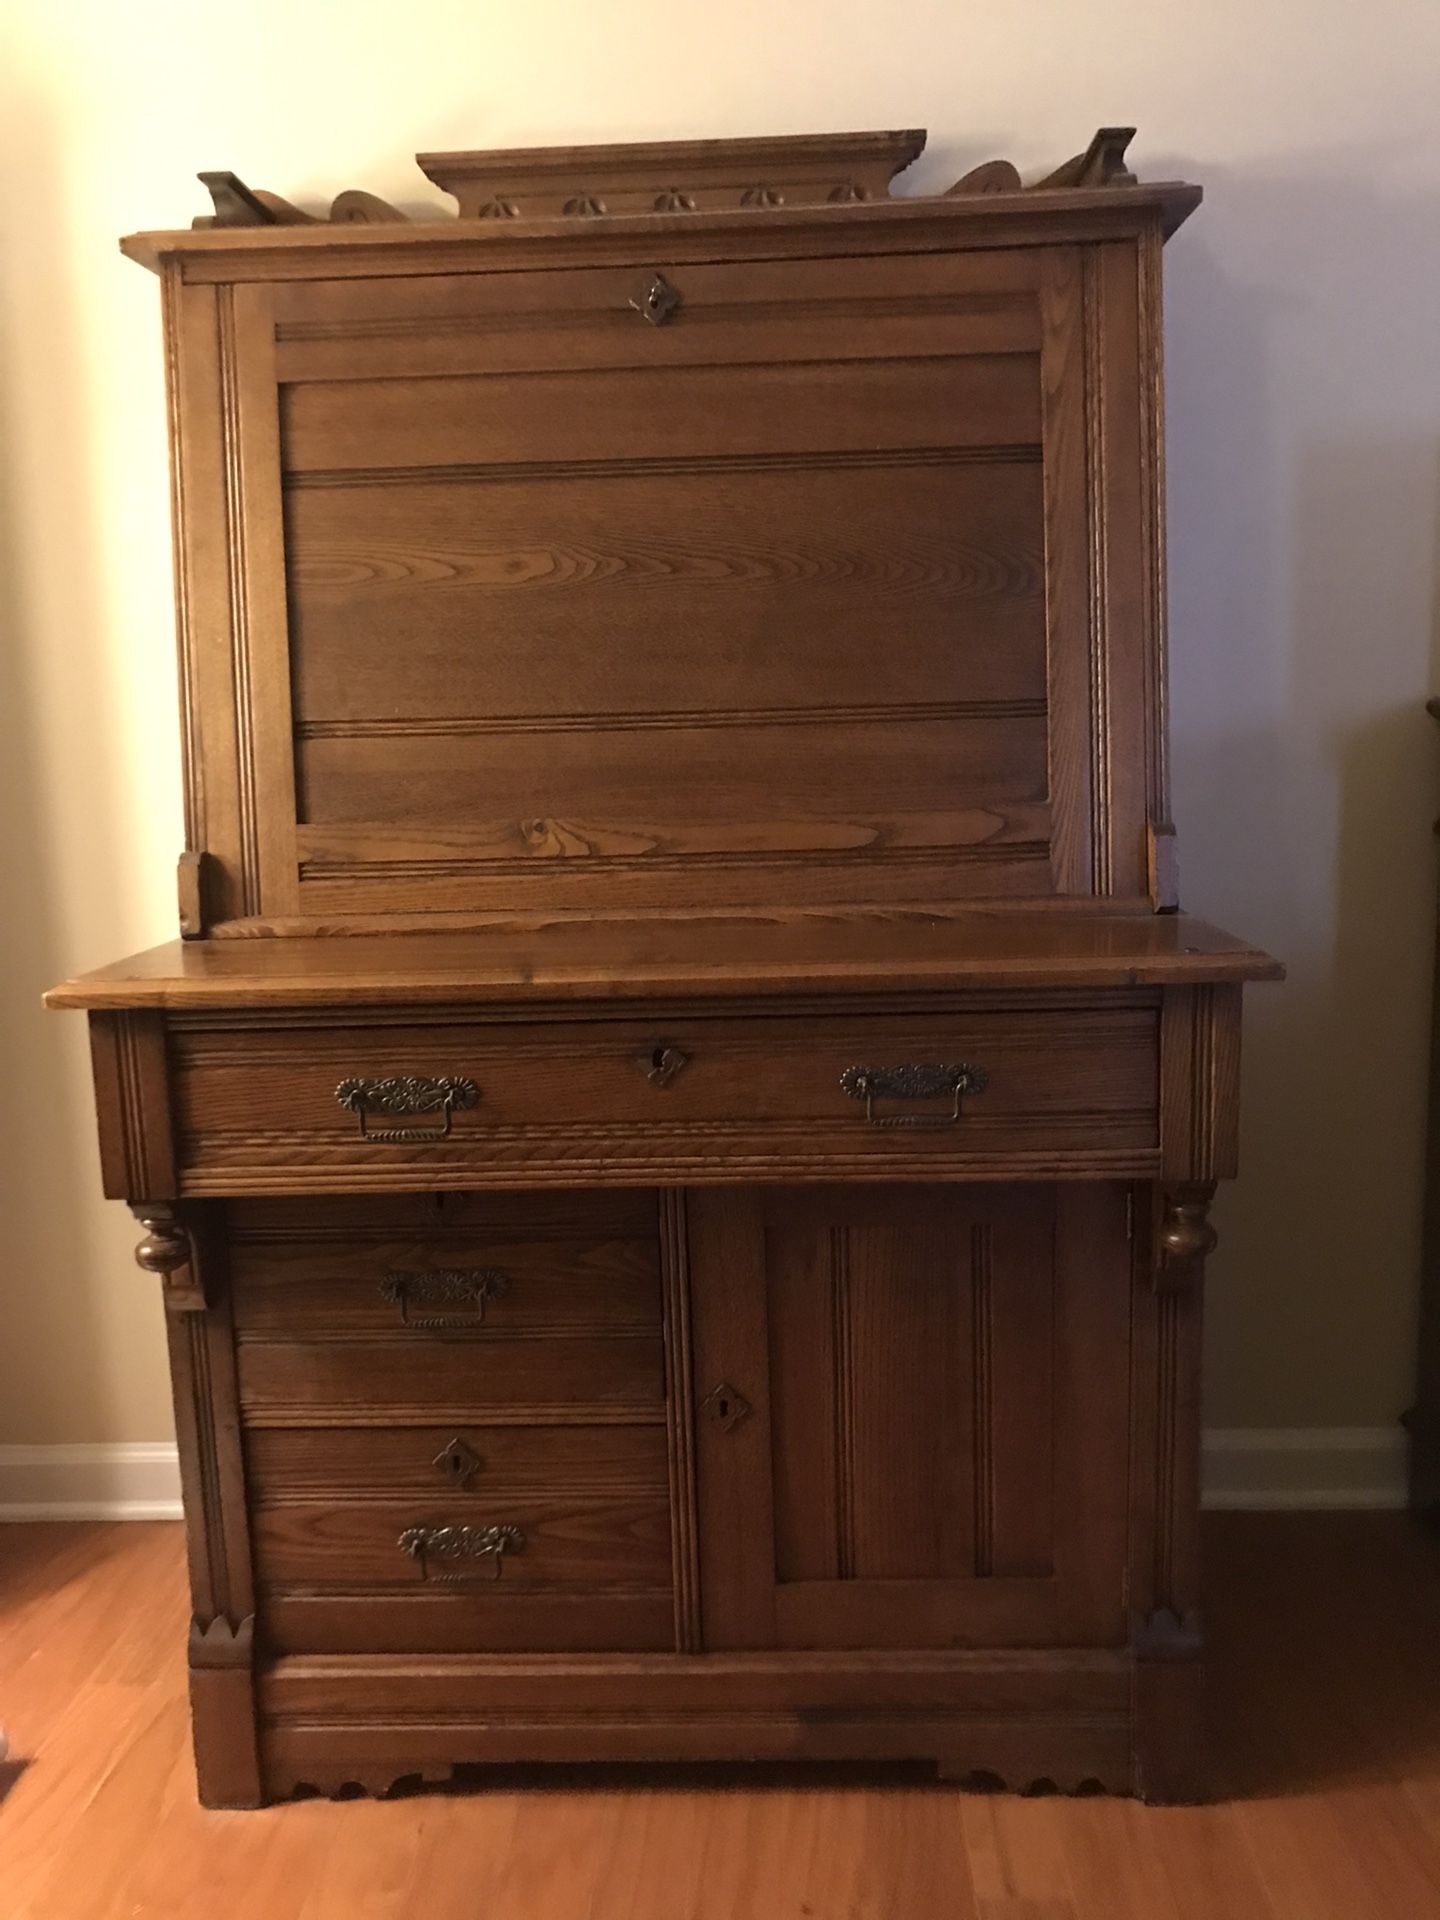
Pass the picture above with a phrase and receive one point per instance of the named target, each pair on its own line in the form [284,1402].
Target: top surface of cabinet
[683,528]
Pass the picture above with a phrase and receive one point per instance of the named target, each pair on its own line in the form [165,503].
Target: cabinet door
[912,1411]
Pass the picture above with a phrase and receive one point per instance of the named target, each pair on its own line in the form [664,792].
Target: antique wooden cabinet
[678,1134]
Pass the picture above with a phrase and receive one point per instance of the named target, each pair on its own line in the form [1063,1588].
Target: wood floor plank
[1207,1860]
[1114,1865]
[1028,1845]
[1326,1704]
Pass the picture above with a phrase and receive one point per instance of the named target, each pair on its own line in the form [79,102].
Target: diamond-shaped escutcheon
[457,1461]
[726,1406]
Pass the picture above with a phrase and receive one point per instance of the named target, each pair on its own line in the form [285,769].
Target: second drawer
[481,1265]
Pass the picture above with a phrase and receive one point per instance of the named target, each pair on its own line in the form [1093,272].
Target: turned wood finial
[1185,1237]
[166,1250]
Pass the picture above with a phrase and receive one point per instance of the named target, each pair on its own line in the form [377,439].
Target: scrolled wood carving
[355,207]
[675,177]
[1102,164]
[237,205]
[992,176]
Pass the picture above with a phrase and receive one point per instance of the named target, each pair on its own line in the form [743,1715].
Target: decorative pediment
[670,177]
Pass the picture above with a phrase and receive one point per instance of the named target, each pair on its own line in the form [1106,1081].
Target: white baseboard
[1245,1468]
[130,1480]
[1260,1468]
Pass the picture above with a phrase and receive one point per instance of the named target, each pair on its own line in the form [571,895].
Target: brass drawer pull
[444,1296]
[461,1551]
[913,1083]
[406,1093]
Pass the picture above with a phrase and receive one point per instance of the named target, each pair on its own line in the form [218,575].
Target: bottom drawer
[543,1540]
[466,1620]
[442,1539]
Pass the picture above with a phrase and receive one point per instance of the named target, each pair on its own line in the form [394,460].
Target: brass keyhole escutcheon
[457,1462]
[662,1063]
[726,1406]
[658,302]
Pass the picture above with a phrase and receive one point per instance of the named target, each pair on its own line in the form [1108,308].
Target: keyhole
[661,1063]
[726,1406]
[457,1461]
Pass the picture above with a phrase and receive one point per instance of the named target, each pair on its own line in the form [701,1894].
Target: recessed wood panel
[684,789]
[716,593]
[928,1439]
[364,873]
[869,1346]
[894,1328]
[978,400]
[702,641]
[755,310]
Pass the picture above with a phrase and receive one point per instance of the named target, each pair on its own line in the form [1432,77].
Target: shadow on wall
[1304,436]
[59,775]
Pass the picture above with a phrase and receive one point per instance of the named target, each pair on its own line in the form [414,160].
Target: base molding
[1061,1716]
[1245,1468]
[123,1480]
[1274,1469]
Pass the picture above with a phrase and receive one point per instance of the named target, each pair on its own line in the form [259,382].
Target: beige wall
[1304,308]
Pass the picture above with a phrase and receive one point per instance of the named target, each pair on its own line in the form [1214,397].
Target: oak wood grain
[543,957]
[284,1382]
[933,1373]
[655,649]
[912,586]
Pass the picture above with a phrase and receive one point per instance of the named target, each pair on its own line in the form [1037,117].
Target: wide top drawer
[1070,1089]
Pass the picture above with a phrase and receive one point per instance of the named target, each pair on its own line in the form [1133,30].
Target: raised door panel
[912,1415]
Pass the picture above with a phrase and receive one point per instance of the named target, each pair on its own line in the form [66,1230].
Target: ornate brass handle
[482,1546]
[406,1093]
[927,1082]
[444,1296]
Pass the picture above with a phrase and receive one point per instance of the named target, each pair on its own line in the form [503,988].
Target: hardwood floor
[1327,1746]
